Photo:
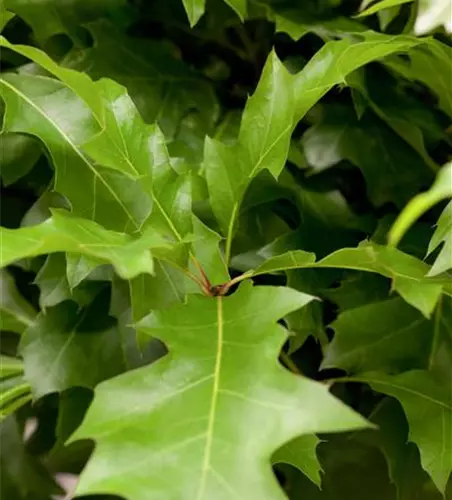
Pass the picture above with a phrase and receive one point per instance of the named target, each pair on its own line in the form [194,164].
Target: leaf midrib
[213,401]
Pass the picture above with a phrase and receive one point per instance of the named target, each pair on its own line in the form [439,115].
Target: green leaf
[52,281]
[16,313]
[263,143]
[386,16]
[335,60]
[160,291]
[223,181]
[239,7]
[265,130]
[93,191]
[223,375]
[5,16]
[383,4]
[388,335]
[66,347]
[407,272]
[415,123]
[290,260]
[18,155]
[440,190]
[427,405]
[266,124]
[428,64]
[325,28]
[50,17]
[431,14]
[125,142]
[72,407]
[301,453]
[171,193]
[442,234]
[163,88]
[65,233]
[392,170]
[358,289]
[79,267]
[194,10]
[206,247]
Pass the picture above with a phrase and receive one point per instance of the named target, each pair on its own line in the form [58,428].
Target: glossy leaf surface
[209,437]
[407,272]
[64,233]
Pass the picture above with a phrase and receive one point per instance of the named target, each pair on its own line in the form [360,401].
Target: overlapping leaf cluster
[226,246]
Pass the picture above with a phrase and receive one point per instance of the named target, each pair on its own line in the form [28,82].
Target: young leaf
[220,163]
[194,10]
[125,142]
[79,267]
[65,233]
[16,313]
[442,234]
[428,408]
[206,247]
[171,192]
[382,4]
[266,125]
[407,272]
[263,143]
[265,131]
[335,60]
[65,348]
[440,190]
[325,28]
[238,404]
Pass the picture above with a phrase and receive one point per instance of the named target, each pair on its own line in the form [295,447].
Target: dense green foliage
[226,249]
